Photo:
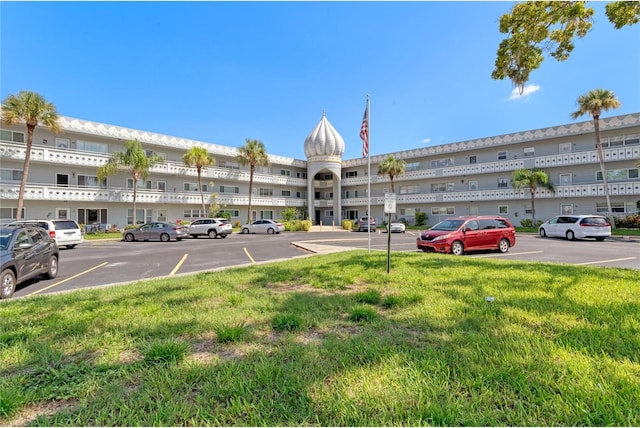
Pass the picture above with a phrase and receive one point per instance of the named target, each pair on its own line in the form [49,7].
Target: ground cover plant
[332,340]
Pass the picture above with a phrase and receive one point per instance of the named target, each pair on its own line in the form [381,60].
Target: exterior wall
[464,178]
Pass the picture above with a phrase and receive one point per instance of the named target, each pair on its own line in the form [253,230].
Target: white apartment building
[460,178]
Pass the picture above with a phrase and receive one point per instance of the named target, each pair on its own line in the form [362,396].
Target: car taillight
[52,234]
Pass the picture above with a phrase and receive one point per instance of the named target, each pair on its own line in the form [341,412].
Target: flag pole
[369,170]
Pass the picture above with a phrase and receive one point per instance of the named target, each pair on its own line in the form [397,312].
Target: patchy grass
[332,341]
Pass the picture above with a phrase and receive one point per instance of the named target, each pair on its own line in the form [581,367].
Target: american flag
[364,133]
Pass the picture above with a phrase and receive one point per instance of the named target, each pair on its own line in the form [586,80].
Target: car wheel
[7,284]
[271,231]
[504,245]
[165,237]
[457,248]
[223,236]
[213,234]
[71,247]
[543,233]
[570,235]
[178,239]
[129,237]
[600,239]
[245,231]
[194,236]
[52,271]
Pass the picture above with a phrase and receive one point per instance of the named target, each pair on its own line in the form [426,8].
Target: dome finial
[323,114]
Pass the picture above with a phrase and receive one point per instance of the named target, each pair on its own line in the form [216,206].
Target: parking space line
[605,261]
[175,269]
[249,255]
[68,279]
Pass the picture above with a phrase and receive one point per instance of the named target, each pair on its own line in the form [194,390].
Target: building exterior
[462,178]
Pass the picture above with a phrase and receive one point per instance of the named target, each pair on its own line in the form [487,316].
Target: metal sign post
[389,208]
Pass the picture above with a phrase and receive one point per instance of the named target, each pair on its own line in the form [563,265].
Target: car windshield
[594,221]
[65,224]
[448,225]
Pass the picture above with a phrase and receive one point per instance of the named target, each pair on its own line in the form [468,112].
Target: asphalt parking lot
[105,262]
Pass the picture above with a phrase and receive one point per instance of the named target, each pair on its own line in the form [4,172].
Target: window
[144,185]
[618,174]
[406,190]
[232,213]
[162,186]
[93,215]
[440,163]
[616,141]
[616,207]
[442,210]
[503,183]
[285,172]
[265,192]
[89,146]
[193,187]
[348,174]
[632,139]
[442,187]
[301,194]
[193,213]
[16,137]
[473,159]
[566,209]
[408,211]
[10,213]
[473,186]
[10,174]
[328,213]
[286,193]
[529,152]
[63,143]
[301,174]
[502,155]
[566,179]
[266,215]
[230,165]
[229,189]
[90,181]
[564,148]
[412,166]
[503,209]
[350,214]
[328,195]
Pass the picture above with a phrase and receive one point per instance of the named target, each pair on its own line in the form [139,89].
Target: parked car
[363,224]
[211,227]
[460,234]
[67,233]
[263,226]
[26,251]
[397,227]
[157,230]
[576,227]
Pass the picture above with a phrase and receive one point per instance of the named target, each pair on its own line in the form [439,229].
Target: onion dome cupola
[324,142]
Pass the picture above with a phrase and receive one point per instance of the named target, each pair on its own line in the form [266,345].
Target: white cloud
[528,90]
[426,141]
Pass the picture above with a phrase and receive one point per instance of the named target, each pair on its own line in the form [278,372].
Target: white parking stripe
[606,261]
[68,279]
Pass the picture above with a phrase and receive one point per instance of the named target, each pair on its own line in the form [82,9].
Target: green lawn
[332,340]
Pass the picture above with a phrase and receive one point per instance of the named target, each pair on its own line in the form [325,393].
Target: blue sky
[221,72]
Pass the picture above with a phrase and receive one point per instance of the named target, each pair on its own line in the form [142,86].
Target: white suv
[66,233]
[211,227]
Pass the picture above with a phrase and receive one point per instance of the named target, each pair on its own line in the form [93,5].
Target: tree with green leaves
[32,109]
[531,179]
[253,153]
[200,158]
[392,167]
[133,160]
[538,27]
[594,103]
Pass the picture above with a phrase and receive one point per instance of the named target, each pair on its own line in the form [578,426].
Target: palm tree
[134,160]
[253,153]
[200,158]
[594,103]
[531,179]
[34,110]
[392,167]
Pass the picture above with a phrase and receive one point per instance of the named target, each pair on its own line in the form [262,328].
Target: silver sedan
[263,226]
[155,231]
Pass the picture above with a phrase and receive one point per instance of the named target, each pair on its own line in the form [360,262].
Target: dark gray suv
[27,251]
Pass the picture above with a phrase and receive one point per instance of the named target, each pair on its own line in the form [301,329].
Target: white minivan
[576,227]
[66,233]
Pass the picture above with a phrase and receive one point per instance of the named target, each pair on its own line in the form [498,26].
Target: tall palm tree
[531,179]
[594,103]
[253,153]
[392,167]
[200,158]
[34,110]
[134,160]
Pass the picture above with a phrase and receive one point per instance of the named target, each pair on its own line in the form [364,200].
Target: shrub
[347,224]
[629,222]
[237,224]
[421,219]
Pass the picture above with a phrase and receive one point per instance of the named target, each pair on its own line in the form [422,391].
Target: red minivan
[459,234]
